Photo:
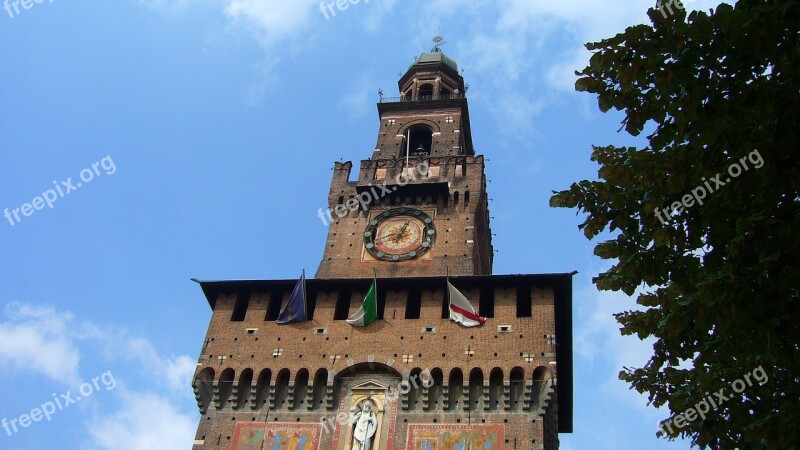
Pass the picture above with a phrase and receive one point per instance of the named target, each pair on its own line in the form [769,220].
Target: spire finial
[438,40]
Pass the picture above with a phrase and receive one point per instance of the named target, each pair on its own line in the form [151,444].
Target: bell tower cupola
[419,206]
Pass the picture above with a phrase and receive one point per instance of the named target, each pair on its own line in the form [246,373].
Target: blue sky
[203,133]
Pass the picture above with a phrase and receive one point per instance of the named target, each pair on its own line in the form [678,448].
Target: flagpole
[447,271]
[305,299]
[408,148]
[266,419]
[375,280]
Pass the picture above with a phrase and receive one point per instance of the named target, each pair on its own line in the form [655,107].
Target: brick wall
[326,349]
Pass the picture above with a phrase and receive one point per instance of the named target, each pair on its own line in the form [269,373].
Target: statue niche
[364,424]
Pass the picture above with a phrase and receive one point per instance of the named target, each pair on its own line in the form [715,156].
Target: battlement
[295,367]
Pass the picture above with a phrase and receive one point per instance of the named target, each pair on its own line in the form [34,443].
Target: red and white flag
[461,310]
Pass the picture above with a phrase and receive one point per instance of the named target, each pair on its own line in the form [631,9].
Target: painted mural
[275,436]
[455,437]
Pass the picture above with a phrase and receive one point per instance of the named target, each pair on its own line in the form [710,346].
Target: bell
[421,149]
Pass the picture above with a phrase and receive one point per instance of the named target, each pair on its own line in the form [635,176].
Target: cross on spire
[438,40]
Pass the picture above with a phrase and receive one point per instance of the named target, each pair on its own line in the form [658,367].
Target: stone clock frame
[420,217]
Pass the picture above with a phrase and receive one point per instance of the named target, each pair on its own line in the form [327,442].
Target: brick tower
[413,379]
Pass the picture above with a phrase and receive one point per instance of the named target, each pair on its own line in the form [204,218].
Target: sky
[147,142]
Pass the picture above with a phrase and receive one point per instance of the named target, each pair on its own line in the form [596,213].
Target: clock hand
[397,235]
[402,230]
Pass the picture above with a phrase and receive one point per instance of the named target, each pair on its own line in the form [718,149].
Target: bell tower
[419,205]
[473,360]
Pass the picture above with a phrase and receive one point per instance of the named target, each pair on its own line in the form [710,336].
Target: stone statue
[365,423]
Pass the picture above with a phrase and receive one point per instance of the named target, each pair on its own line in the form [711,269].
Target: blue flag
[295,309]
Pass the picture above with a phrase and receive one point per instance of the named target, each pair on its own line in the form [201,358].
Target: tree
[704,222]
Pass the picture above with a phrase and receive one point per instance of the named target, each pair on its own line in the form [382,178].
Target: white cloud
[598,332]
[42,340]
[175,371]
[524,52]
[35,340]
[272,20]
[145,422]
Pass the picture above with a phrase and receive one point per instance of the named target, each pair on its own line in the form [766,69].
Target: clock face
[399,234]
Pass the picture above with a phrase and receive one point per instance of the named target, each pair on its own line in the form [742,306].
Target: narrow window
[240,307]
[274,306]
[414,304]
[486,305]
[342,305]
[311,301]
[445,305]
[381,302]
[523,301]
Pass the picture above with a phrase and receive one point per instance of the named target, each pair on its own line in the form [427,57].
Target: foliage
[719,280]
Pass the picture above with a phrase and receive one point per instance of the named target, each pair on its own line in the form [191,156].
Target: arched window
[300,389]
[204,389]
[415,386]
[495,389]
[245,386]
[225,387]
[435,389]
[425,92]
[444,93]
[262,389]
[455,388]
[281,389]
[420,141]
[320,389]
[538,392]
[517,388]
[475,388]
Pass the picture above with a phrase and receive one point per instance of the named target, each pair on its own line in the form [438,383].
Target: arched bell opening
[425,92]
[420,141]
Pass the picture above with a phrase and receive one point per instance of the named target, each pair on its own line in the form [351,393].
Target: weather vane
[438,40]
